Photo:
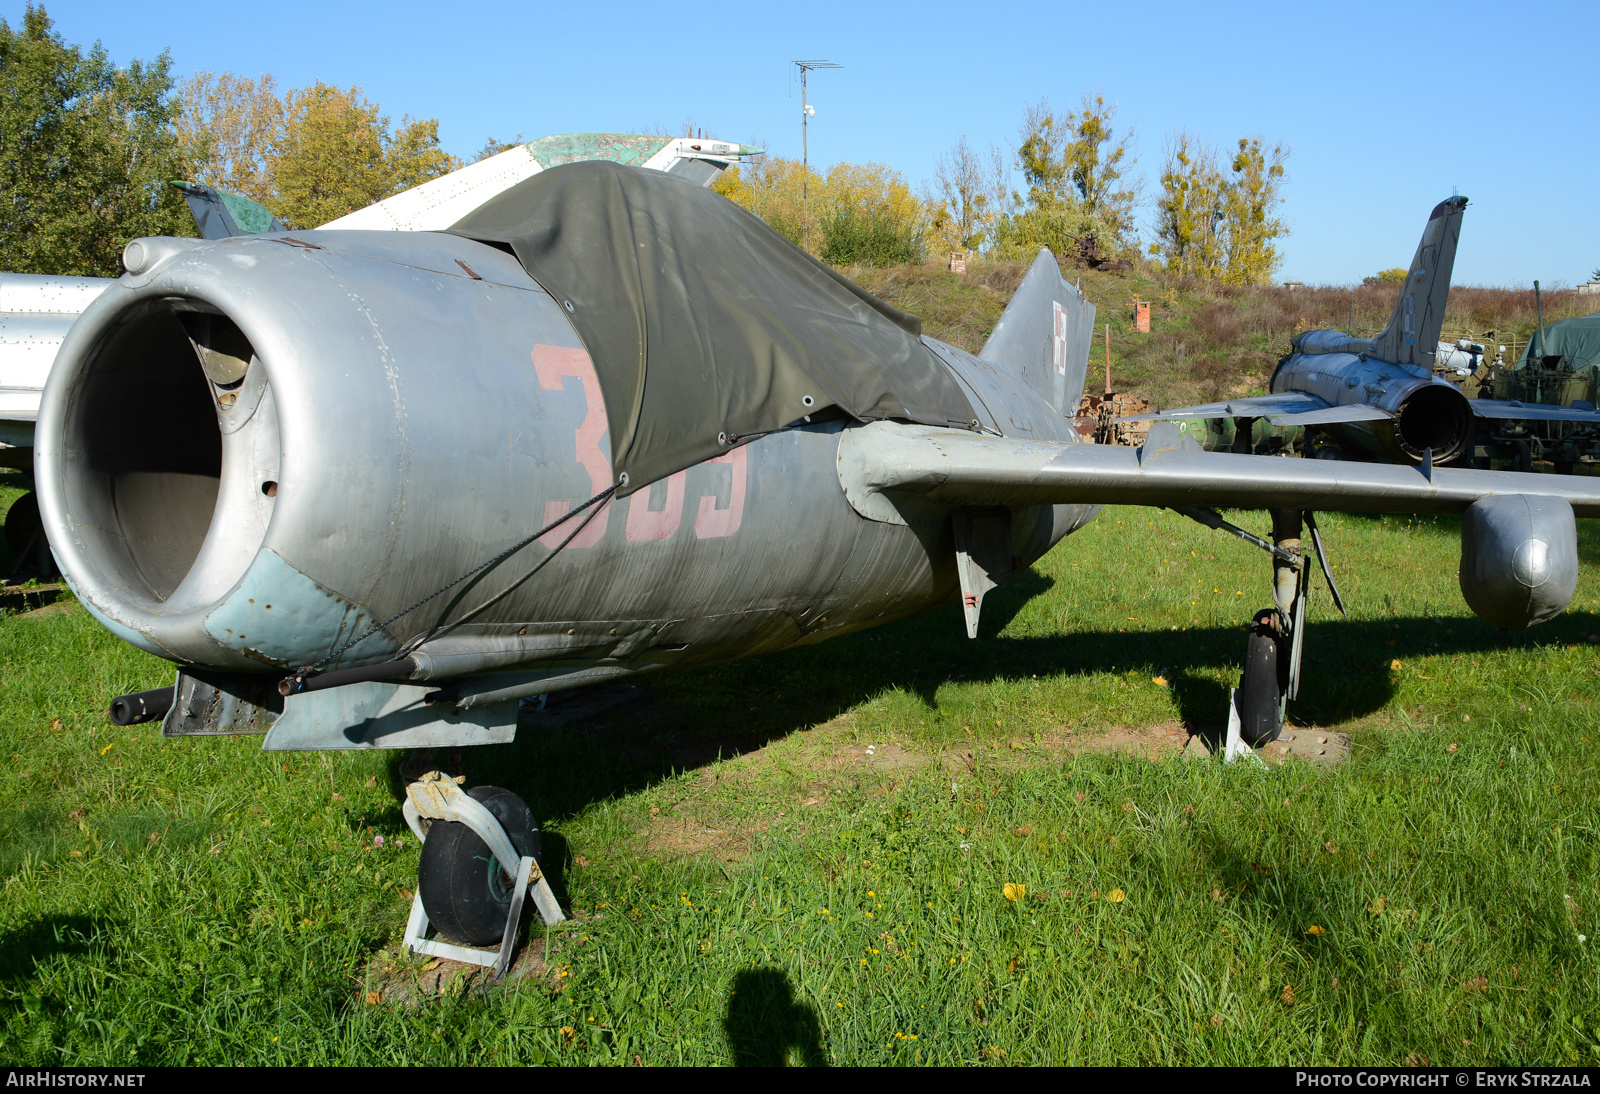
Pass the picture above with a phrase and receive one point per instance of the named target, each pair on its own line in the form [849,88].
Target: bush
[853,236]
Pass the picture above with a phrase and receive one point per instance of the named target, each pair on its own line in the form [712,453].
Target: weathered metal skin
[1519,559]
[1424,411]
[36,312]
[414,404]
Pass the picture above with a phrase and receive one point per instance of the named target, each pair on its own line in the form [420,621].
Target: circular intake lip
[74,504]
[1434,416]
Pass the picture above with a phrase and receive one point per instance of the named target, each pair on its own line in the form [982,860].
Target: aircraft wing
[1259,406]
[1285,409]
[1532,412]
[888,466]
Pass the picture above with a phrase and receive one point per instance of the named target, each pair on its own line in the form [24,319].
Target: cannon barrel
[141,706]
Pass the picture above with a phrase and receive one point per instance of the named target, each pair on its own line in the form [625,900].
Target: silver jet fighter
[1380,395]
[37,311]
[370,489]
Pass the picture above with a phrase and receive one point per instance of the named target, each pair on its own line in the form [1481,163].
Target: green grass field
[748,884]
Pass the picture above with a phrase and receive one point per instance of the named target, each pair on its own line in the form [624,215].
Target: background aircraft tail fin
[1044,335]
[1412,335]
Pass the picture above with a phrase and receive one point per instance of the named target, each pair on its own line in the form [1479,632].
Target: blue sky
[1387,107]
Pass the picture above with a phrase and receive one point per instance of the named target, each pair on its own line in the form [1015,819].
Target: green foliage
[860,214]
[336,154]
[1394,276]
[1065,227]
[312,155]
[1220,226]
[873,237]
[86,150]
[493,146]
[1074,166]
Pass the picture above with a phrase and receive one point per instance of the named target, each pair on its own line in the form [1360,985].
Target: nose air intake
[167,438]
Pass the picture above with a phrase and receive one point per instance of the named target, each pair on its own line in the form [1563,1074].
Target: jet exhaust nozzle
[1437,417]
[1519,559]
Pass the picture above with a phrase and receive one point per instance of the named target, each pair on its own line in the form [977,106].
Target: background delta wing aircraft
[372,488]
[1380,395]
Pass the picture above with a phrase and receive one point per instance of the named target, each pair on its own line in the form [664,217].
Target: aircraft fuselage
[410,405]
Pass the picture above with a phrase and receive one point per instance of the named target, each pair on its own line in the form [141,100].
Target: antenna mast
[805,68]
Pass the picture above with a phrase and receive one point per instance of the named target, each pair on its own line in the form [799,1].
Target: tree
[1040,157]
[230,128]
[1097,160]
[1189,212]
[1217,226]
[414,155]
[1250,226]
[866,214]
[86,150]
[870,217]
[1074,166]
[970,193]
[1393,276]
[493,146]
[336,155]
[769,187]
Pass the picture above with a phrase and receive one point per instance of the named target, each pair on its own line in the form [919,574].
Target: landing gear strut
[1271,674]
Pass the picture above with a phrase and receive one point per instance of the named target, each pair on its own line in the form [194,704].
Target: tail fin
[1044,335]
[1412,335]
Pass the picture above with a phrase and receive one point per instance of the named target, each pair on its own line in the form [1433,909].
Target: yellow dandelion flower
[1116,896]
[1316,931]
[1015,892]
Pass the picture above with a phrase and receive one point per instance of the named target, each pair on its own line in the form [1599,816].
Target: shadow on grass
[767,1026]
[689,719]
[31,944]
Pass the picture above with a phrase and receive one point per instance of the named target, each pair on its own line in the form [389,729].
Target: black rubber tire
[464,892]
[1262,682]
[23,527]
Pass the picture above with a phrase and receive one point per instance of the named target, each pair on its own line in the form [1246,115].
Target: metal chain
[495,561]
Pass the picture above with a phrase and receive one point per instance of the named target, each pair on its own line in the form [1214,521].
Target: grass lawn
[805,856]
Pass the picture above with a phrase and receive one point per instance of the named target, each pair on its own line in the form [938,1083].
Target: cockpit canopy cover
[705,325]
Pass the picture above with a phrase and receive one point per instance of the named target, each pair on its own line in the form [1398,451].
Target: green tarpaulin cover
[1577,341]
[702,321]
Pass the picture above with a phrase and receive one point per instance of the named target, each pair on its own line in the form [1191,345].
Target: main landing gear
[1273,651]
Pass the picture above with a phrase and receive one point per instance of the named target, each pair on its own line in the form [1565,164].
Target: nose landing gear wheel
[1265,677]
[464,891]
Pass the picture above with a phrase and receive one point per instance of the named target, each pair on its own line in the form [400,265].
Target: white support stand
[437,797]
[1234,747]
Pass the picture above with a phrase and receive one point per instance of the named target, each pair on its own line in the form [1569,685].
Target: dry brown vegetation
[1206,341]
